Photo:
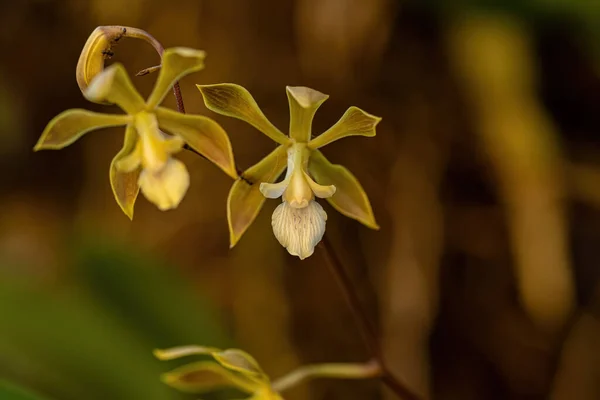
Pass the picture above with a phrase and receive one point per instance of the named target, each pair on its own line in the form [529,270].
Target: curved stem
[366,327]
[364,323]
[370,369]
[136,33]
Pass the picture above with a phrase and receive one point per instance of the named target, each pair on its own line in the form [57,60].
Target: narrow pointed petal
[235,101]
[354,122]
[203,135]
[183,351]
[125,184]
[320,191]
[299,230]
[70,125]
[304,102]
[240,361]
[165,188]
[114,86]
[176,63]
[207,376]
[245,199]
[349,199]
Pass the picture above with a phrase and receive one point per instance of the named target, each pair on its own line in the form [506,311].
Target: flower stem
[135,33]
[370,369]
[364,323]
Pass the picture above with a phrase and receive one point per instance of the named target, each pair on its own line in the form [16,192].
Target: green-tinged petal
[354,122]
[207,376]
[70,125]
[176,63]
[183,351]
[114,86]
[235,101]
[245,200]
[202,134]
[125,184]
[304,102]
[131,161]
[238,360]
[349,199]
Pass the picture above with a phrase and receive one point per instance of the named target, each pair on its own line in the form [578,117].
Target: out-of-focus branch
[364,322]
[260,305]
[584,183]
[409,283]
[493,57]
[578,366]
[370,369]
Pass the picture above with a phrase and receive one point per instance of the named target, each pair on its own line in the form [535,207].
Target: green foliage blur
[93,336]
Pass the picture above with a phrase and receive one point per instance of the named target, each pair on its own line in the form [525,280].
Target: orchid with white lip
[299,222]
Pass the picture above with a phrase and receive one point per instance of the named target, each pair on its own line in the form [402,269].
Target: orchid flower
[299,221]
[231,368]
[146,160]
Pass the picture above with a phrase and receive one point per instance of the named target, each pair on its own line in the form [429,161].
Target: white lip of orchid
[299,230]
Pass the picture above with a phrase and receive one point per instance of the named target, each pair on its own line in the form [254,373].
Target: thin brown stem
[363,321]
[367,329]
[136,33]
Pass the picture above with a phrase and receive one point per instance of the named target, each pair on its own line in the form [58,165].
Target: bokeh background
[484,177]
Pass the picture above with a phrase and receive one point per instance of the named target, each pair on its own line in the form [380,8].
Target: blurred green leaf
[150,296]
[73,337]
[93,337]
[9,391]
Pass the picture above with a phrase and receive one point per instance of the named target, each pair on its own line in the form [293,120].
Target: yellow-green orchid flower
[299,222]
[231,368]
[145,162]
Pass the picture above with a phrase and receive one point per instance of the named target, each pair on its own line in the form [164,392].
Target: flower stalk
[367,370]
[369,334]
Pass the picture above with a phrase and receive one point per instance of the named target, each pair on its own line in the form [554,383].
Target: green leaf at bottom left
[9,391]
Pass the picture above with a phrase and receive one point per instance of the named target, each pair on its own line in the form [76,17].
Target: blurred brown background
[484,176]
